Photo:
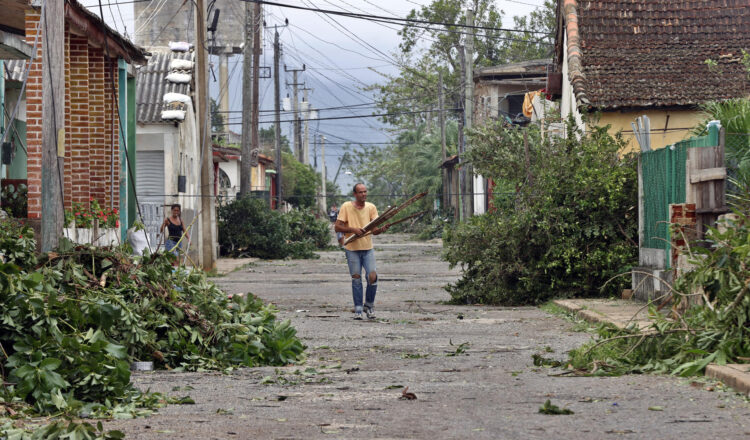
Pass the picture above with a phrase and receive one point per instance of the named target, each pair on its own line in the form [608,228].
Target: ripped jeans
[356,261]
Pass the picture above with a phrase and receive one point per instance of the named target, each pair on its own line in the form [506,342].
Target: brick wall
[682,217]
[34,122]
[89,125]
[79,115]
[112,134]
[97,144]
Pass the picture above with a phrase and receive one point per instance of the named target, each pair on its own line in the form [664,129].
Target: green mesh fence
[663,173]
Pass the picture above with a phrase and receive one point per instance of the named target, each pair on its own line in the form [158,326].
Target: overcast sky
[338,63]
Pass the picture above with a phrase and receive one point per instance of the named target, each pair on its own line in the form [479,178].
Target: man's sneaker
[369,312]
[358,316]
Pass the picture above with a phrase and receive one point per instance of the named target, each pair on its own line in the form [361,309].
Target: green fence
[663,178]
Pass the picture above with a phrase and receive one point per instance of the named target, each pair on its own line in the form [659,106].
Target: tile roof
[151,86]
[14,70]
[652,53]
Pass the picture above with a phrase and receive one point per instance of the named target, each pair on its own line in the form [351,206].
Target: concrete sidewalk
[228,265]
[622,313]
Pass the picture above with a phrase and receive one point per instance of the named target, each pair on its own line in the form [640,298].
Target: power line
[348,117]
[393,19]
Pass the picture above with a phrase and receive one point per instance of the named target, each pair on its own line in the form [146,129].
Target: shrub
[570,227]
[249,227]
[304,226]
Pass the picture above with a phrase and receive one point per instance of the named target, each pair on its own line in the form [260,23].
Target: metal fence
[663,183]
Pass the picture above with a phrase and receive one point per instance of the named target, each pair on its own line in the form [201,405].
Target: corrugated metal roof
[14,70]
[152,85]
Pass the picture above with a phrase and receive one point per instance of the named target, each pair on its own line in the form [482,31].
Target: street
[470,369]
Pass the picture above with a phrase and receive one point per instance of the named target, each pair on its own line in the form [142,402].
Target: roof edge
[575,55]
[100,33]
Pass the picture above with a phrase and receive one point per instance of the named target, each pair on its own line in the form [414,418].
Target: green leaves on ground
[550,409]
[565,218]
[70,328]
[710,320]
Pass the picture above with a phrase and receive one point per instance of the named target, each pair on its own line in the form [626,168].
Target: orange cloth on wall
[528,103]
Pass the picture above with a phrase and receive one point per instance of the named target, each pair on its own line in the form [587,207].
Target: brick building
[99,109]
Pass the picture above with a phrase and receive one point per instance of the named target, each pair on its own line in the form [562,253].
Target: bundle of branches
[71,324]
[714,329]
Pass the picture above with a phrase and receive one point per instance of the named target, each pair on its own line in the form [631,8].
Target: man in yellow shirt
[353,217]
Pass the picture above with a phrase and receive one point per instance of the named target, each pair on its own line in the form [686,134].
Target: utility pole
[256,79]
[324,203]
[277,112]
[247,103]
[208,214]
[297,134]
[53,131]
[467,173]
[306,140]
[444,153]
[224,90]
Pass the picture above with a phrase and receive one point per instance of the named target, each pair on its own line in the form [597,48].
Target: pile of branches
[708,322]
[72,322]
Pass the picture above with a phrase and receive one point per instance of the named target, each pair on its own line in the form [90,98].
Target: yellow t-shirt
[358,218]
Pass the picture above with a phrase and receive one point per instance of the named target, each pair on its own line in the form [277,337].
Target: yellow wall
[678,119]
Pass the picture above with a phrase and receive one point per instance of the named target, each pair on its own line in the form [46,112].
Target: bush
[570,227]
[248,227]
[304,226]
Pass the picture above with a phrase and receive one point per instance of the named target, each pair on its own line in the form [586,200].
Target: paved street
[469,367]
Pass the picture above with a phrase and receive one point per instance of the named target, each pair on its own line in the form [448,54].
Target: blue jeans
[171,246]
[356,261]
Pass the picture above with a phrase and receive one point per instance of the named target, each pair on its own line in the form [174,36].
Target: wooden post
[208,214]
[53,130]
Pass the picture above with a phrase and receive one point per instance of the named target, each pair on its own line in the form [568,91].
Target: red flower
[117,223]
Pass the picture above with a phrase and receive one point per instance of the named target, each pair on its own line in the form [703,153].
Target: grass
[579,325]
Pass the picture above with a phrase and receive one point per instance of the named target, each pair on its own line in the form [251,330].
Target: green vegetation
[248,227]
[72,322]
[567,227]
[695,335]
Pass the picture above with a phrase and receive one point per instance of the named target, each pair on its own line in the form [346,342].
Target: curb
[586,314]
[736,376]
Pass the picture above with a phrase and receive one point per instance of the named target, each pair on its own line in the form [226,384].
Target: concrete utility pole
[224,90]
[324,202]
[297,131]
[256,78]
[444,153]
[53,130]
[467,173]
[208,214]
[306,140]
[277,112]
[247,103]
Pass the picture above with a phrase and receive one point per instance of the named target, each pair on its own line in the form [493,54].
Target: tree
[299,182]
[217,119]
[408,167]
[415,86]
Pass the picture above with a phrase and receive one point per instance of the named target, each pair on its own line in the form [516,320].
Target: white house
[168,151]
